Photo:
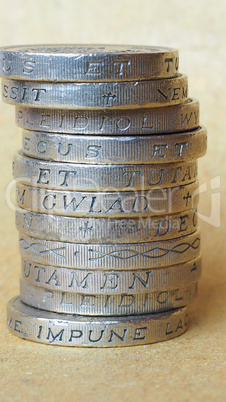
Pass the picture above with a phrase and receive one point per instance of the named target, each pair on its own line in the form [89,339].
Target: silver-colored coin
[110,281]
[157,201]
[108,256]
[101,230]
[176,147]
[87,63]
[82,177]
[70,330]
[114,122]
[113,305]
[96,95]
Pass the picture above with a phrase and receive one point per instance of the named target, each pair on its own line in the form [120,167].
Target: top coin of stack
[87,63]
[106,194]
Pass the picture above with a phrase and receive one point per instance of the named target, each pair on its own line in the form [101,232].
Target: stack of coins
[107,193]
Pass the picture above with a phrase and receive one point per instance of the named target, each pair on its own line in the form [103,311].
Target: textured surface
[189,368]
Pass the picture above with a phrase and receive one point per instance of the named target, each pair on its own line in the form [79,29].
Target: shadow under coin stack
[107,193]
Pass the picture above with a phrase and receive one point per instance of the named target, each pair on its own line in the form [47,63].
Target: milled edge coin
[138,204]
[70,330]
[84,177]
[99,150]
[110,256]
[95,281]
[106,230]
[181,117]
[129,204]
[60,63]
[105,304]
[96,95]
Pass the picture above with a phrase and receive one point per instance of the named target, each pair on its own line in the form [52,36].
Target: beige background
[189,368]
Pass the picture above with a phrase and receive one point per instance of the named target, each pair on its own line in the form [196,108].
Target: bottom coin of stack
[74,330]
